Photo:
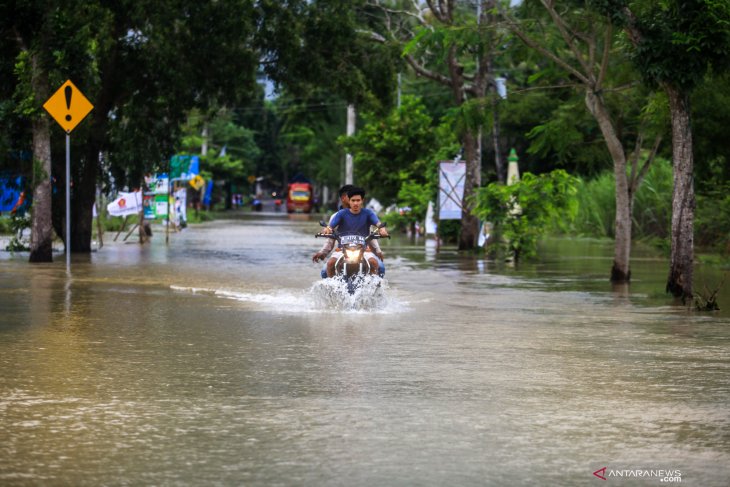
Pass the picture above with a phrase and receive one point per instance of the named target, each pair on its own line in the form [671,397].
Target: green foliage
[570,138]
[399,148]
[522,212]
[712,219]
[17,224]
[680,39]
[307,45]
[653,202]
[596,206]
[416,197]
[241,149]
[710,122]
[652,209]
[306,137]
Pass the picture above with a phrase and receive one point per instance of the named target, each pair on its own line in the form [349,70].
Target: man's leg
[331,267]
[373,261]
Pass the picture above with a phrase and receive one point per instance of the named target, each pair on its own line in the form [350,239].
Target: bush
[712,219]
[18,224]
[5,225]
[652,205]
[521,213]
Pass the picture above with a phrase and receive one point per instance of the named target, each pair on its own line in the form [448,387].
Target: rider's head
[344,198]
[357,198]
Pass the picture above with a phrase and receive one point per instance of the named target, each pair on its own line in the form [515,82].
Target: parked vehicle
[299,198]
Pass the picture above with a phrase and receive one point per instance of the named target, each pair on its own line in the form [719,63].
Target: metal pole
[350,131]
[68,201]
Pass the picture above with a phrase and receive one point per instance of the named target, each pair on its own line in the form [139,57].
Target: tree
[453,47]
[522,212]
[143,65]
[232,165]
[587,44]
[398,148]
[46,39]
[675,43]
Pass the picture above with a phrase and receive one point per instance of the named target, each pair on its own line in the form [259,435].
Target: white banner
[430,222]
[181,196]
[451,189]
[126,204]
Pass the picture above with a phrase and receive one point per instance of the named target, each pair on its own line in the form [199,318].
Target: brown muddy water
[222,359]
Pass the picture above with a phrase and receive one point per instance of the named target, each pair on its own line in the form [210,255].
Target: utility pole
[350,132]
[204,147]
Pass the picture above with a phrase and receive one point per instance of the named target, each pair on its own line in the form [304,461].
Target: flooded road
[223,360]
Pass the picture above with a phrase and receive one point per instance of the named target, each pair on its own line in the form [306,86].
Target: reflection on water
[222,360]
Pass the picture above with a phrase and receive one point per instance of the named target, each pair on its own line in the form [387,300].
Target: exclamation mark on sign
[68,91]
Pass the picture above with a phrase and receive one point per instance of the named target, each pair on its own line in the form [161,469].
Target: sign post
[68,106]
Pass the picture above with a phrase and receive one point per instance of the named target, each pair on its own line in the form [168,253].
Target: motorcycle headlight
[352,255]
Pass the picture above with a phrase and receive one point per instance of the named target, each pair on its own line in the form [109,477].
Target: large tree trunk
[83,193]
[472,181]
[41,237]
[621,271]
[679,282]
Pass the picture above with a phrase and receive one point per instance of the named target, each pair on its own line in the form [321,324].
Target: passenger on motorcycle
[354,220]
[329,244]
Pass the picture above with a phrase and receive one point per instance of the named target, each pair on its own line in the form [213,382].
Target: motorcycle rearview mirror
[322,223]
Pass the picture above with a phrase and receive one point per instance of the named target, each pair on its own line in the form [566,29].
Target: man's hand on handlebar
[383,232]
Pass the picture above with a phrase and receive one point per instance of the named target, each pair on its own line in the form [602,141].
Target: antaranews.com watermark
[661,474]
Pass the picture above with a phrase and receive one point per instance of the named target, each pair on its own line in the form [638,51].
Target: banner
[180,207]
[125,204]
[162,202]
[451,189]
[11,193]
[430,222]
[184,166]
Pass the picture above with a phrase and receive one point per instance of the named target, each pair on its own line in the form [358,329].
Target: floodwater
[222,359]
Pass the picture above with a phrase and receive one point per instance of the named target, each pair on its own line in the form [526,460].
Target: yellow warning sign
[68,106]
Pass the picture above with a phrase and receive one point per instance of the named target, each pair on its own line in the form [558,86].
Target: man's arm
[324,251]
[374,220]
[334,221]
[375,245]
[327,247]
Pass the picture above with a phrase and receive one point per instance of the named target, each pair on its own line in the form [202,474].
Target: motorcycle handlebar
[333,236]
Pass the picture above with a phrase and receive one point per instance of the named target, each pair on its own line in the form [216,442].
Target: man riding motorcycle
[354,220]
[329,244]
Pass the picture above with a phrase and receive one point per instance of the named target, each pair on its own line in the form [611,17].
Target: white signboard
[126,204]
[451,189]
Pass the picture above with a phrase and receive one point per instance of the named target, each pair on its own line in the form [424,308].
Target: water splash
[371,295]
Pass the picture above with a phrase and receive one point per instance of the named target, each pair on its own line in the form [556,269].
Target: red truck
[299,198]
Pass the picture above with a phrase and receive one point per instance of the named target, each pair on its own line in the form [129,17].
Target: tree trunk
[41,238]
[498,159]
[621,271]
[679,282]
[83,193]
[472,181]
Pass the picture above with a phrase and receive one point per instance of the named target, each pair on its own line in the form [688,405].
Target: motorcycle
[352,266]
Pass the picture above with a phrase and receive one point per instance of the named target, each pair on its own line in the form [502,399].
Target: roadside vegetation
[624,101]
